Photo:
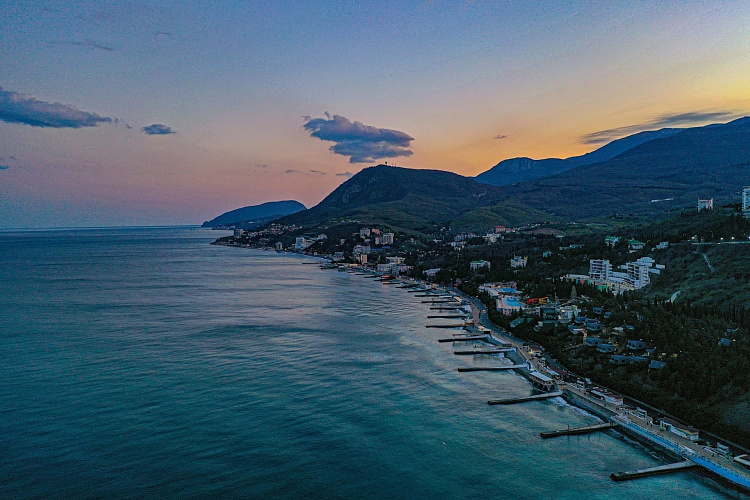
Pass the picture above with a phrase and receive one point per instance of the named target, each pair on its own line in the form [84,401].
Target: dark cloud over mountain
[361,143]
[28,110]
[670,120]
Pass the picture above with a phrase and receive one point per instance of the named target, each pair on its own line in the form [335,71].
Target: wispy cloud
[361,143]
[292,171]
[319,172]
[348,175]
[261,165]
[28,110]
[89,44]
[158,129]
[499,136]
[4,167]
[668,120]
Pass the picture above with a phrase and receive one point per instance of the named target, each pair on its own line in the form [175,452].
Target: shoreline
[665,445]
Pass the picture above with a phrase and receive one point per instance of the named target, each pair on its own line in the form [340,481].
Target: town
[620,309]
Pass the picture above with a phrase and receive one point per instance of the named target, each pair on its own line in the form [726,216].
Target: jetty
[465,338]
[438,301]
[490,368]
[459,325]
[443,308]
[653,471]
[578,430]
[533,397]
[484,351]
[448,316]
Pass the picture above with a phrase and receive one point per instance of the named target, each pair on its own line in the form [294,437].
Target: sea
[147,363]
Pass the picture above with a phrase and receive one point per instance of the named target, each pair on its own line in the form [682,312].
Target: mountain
[666,172]
[263,213]
[400,197]
[663,173]
[521,169]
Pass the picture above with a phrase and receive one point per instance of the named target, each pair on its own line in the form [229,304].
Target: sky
[172,112]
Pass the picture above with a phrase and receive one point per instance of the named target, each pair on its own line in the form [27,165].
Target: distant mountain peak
[265,212]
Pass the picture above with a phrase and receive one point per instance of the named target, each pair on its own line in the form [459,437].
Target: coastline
[666,446]
[663,445]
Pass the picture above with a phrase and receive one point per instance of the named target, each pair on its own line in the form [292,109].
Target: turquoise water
[145,363]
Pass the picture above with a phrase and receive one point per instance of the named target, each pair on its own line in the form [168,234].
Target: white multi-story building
[387,239]
[706,204]
[301,243]
[518,262]
[600,269]
[746,201]
[478,264]
[637,274]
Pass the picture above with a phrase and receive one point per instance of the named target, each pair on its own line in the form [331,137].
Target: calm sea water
[145,363]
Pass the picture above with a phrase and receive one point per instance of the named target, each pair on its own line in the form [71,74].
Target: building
[682,430]
[638,272]
[606,348]
[611,241]
[501,229]
[636,345]
[607,395]
[430,273]
[542,381]
[238,233]
[746,201]
[619,359]
[364,232]
[478,264]
[387,239]
[635,245]
[600,269]
[279,246]
[593,341]
[518,262]
[706,204]
[302,243]
[566,314]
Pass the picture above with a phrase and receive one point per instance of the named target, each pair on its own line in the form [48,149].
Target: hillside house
[606,348]
[636,345]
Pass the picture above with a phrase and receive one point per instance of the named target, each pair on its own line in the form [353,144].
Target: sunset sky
[140,113]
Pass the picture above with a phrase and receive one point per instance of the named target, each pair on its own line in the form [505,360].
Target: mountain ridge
[523,168]
[262,213]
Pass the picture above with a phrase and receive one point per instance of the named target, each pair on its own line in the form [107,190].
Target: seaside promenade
[627,419]
[633,421]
